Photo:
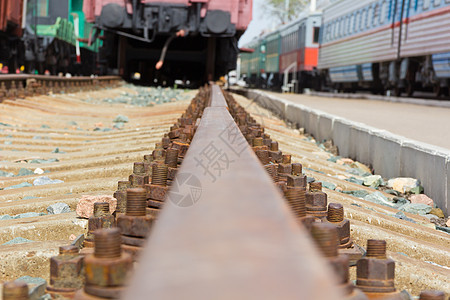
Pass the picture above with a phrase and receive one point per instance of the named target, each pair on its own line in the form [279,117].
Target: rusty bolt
[135,222]
[101,219]
[296,200]
[326,238]
[285,169]
[165,142]
[335,216]
[159,174]
[315,186]
[274,146]
[432,295]
[286,159]
[108,266]
[296,179]
[138,178]
[121,196]
[263,156]
[172,157]
[316,204]
[15,290]
[66,271]
[375,273]
[272,170]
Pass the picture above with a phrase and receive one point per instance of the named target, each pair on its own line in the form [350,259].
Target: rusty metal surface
[238,239]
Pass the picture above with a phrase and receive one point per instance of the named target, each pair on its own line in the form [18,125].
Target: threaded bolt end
[101,209]
[274,146]
[297,169]
[335,212]
[271,169]
[136,202]
[315,186]
[326,238]
[376,248]
[296,198]
[263,156]
[258,141]
[15,290]
[432,295]
[69,249]
[159,174]
[107,243]
[172,157]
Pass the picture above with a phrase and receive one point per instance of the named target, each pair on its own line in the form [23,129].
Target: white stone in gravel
[38,171]
[43,180]
[58,208]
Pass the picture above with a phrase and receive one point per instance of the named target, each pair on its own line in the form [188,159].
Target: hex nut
[171,173]
[121,197]
[107,271]
[284,169]
[276,156]
[156,192]
[67,271]
[296,181]
[343,231]
[316,200]
[95,223]
[375,275]
[138,180]
[135,226]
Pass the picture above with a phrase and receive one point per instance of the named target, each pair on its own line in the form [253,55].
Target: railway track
[226,230]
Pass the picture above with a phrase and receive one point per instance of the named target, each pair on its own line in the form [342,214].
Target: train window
[376,15]
[437,2]
[357,21]
[336,29]
[426,4]
[351,24]
[41,7]
[383,12]
[316,32]
[369,17]
[363,19]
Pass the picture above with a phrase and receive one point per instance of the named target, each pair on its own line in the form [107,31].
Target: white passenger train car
[387,44]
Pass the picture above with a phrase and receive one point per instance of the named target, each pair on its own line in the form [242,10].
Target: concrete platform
[389,154]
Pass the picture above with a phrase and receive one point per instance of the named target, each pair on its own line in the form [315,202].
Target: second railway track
[228,232]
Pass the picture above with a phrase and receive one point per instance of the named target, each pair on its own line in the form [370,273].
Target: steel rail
[239,240]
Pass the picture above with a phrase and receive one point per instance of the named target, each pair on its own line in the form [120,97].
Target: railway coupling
[217,211]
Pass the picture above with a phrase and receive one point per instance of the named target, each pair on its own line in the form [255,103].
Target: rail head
[225,231]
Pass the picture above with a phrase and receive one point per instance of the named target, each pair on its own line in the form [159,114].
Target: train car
[11,46]
[165,40]
[56,38]
[299,51]
[286,58]
[398,45]
[272,65]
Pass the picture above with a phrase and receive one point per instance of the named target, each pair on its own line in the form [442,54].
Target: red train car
[11,47]
[165,40]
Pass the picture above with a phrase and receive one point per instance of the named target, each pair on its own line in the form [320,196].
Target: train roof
[283,28]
